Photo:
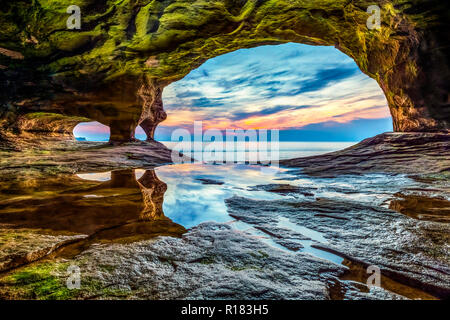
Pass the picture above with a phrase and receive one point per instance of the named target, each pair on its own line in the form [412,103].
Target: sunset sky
[308,93]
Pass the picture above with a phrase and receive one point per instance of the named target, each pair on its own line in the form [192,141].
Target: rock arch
[114,69]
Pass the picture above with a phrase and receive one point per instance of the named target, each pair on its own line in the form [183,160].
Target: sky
[308,93]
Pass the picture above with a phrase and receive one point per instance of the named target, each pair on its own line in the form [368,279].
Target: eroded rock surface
[409,153]
[59,153]
[356,223]
[212,261]
[273,245]
[23,246]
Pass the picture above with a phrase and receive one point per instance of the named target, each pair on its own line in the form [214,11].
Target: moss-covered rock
[48,122]
[114,69]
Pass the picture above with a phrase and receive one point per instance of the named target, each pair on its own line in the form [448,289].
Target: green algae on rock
[114,69]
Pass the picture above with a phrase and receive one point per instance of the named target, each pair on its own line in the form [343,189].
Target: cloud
[355,130]
[188,94]
[266,112]
[323,79]
[289,85]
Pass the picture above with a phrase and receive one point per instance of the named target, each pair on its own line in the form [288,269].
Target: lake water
[286,150]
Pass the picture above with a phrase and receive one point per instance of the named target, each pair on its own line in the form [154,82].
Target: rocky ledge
[55,153]
[211,261]
[408,153]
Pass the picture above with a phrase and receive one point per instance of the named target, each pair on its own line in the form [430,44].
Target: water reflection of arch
[123,208]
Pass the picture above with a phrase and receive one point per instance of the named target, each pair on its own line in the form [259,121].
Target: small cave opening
[97,132]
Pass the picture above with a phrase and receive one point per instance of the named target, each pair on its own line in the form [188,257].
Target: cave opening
[313,94]
[98,132]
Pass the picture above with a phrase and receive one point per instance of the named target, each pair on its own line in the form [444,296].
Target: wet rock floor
[223,232]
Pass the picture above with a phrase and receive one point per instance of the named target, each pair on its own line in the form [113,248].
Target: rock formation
[415,153]
[113,69]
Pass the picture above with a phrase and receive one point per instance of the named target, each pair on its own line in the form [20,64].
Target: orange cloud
[342,111]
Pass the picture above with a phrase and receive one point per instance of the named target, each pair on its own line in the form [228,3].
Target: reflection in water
[135,204]
[131,205]
[422,207]
[121,209]
[357,274]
